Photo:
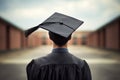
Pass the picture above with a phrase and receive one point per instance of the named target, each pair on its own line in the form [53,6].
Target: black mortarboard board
[58,23]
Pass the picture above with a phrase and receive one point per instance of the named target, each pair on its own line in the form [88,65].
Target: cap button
[61,23]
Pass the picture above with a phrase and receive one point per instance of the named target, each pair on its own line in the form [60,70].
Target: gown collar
[60,50]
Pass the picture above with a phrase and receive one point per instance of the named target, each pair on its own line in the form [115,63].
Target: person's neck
[56,46]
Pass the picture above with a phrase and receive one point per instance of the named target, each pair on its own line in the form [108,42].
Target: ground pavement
[104,64]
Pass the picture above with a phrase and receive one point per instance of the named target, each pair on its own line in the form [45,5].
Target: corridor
[104,64]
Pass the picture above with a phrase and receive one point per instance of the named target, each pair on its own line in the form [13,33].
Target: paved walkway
[104,64]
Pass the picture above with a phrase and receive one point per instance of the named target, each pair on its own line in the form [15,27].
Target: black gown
[58,65]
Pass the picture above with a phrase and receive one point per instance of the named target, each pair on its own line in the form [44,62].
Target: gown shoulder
[36,71]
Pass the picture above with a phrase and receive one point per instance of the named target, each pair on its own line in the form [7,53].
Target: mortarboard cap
[58,23]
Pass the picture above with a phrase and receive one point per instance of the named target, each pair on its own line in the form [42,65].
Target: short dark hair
[58,40]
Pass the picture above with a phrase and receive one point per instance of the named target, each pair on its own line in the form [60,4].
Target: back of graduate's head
[58,40]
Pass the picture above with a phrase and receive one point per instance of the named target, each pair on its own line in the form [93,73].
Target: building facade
[12,37]
[107,37]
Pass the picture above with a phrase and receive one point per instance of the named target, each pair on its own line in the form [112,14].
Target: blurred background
[97,40]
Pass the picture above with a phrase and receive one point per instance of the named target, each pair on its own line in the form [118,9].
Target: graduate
[60,64]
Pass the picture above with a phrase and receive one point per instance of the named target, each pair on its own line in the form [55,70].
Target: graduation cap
[58,23]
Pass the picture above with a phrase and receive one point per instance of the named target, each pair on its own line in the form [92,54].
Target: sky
[29,13]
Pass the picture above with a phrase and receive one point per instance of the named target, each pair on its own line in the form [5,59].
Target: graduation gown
[58,65]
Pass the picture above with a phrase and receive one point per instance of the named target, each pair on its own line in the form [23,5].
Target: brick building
[12,37]
[78,38]
[107,36]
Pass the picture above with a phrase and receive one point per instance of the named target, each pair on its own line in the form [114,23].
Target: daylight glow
[28,13]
